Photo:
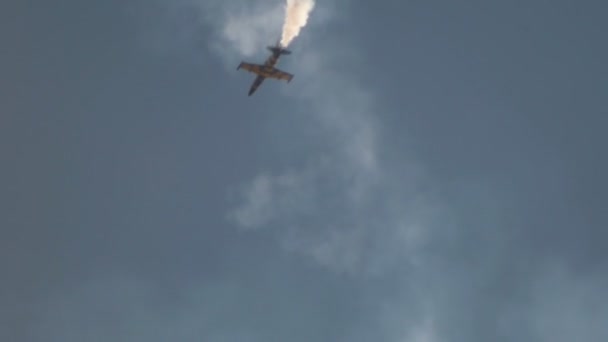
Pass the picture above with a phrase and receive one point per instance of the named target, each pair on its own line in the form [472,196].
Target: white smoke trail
[296,15]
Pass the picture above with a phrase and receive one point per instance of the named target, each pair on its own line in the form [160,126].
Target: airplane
[267,70]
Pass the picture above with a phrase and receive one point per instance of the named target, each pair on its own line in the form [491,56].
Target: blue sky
[434,172]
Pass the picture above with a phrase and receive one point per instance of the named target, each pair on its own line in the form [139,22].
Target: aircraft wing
[262,70]
[254,68]
[280,75]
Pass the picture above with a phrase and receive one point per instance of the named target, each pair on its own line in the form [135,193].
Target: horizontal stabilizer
[279,50]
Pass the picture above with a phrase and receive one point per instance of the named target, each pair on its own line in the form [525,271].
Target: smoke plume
[296,15]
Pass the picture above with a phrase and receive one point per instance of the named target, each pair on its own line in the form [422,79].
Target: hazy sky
[434,172]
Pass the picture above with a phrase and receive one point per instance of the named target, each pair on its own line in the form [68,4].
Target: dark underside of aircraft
[267,70]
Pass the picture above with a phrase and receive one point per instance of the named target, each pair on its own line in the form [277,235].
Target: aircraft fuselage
[265,71]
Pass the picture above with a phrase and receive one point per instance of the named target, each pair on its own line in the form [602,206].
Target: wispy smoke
[296,15]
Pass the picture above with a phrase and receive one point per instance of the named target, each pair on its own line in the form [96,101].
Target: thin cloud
[247,32]
[569,308]
[344,206]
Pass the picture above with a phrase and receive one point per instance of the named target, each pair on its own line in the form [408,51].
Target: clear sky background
[436,171]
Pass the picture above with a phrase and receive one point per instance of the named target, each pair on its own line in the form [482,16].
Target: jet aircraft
[267,70]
